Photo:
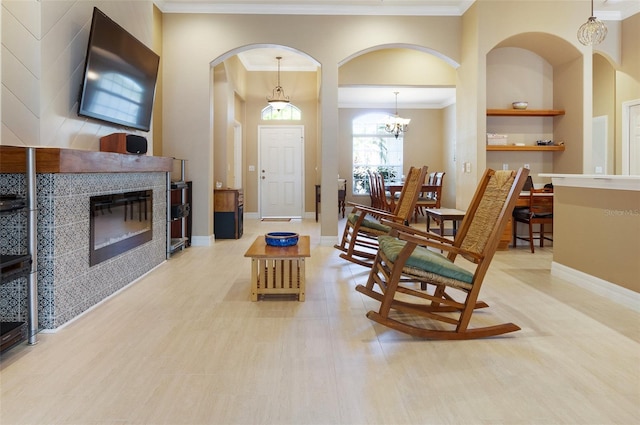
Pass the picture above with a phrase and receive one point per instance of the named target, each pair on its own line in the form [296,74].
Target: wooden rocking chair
[359,241]
[416,281]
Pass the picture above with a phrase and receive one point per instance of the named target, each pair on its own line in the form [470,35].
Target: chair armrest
[429,238]
[380,214]
[426,239]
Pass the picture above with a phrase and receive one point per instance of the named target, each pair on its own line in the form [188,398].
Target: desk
[278,270]
[442,214]
[342,196]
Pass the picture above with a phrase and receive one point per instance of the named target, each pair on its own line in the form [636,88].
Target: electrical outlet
[527,166]
[467,167]
[252,168]
[505,166]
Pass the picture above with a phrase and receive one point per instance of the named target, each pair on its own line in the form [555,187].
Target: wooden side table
[278,270]
[442,214]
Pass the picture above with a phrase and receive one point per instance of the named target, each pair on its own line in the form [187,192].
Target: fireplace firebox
[119,222]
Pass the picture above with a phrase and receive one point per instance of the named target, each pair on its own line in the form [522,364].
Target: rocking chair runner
[405,260]
[359,241]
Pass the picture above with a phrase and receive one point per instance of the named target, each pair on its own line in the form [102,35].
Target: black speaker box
[124,143]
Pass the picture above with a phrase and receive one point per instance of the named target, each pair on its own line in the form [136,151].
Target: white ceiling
[264,59]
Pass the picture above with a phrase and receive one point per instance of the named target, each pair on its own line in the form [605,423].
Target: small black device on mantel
[124,143]
[120,76]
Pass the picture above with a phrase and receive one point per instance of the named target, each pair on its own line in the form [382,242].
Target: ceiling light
[593,31]
[278,100]
[395,124]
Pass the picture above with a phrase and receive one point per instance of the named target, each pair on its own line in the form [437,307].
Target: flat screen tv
[119,76]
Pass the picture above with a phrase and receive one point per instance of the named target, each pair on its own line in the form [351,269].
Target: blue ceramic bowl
[281,238]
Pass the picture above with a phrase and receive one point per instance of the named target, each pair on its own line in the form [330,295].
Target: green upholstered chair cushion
[369,221]
[424,259]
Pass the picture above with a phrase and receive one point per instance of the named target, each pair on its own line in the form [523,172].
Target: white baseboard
[328,240]
[202,240]
[616,293]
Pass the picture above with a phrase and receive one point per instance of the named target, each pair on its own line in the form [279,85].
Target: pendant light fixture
[278,100]
[395,124]
[593,31]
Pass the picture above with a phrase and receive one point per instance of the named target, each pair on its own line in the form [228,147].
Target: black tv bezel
[84,112]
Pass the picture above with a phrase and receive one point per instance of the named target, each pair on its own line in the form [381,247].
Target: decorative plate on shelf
[281,238]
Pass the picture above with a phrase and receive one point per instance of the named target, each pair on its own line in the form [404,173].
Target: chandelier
[593,31]
[278,100]
[395,124]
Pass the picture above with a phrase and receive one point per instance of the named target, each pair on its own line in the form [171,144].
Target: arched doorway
[242,79]
[425,81]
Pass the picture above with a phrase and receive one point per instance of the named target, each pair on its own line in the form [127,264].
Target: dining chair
[431,194]
[539,211]
[431,295]
[385,202]
[359,242]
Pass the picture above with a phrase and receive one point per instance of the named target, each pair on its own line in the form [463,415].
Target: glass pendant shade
[396,124]
[592,32]
[278,100]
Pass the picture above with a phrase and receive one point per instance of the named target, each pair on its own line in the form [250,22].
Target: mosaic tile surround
[67,285]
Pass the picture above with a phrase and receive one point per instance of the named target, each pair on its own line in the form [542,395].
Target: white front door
[281,171]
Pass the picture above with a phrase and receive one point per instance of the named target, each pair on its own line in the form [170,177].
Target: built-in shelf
[525,148]
[524,112]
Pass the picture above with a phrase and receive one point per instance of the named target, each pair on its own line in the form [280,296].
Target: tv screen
[119,77]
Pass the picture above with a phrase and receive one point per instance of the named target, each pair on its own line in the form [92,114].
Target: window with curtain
[374,149]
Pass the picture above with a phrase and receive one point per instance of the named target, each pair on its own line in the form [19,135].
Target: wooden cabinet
[228,206]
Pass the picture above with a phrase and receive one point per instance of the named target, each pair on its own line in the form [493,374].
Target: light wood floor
[185,345]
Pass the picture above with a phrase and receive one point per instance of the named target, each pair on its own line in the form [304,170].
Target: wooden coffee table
[442,214]
[278,270]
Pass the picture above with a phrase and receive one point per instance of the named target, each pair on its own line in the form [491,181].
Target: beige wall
[627,75]
[156,140]
[401,66]
[423,144]
[519,74]
[604,102]
[300,87]
[192,42]
[44,45]
[596,232]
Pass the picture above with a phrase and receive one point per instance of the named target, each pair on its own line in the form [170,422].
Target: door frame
[302,167]
[238,167]
[626,136]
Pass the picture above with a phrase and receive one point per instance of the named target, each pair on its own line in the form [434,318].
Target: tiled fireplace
[67,284]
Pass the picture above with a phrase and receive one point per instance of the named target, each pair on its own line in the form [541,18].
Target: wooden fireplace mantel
[58,160]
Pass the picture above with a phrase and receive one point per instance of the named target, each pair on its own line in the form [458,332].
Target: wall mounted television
[120,76]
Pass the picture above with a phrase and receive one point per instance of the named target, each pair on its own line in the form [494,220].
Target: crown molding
[443,8]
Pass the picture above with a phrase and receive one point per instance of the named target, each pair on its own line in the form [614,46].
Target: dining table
[395,188]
